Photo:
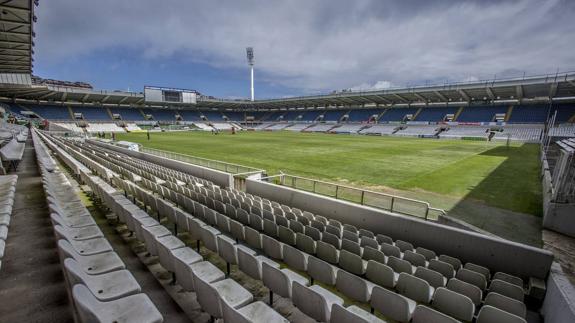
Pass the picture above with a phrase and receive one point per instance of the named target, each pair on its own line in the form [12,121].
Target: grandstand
[109,230]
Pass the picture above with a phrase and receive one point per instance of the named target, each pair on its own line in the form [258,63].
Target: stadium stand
[480,113]
[397,114]
[298,127]
[7,192]
[465,131]
[212,116]
[363,115]
[418,130]
[530,133]
[50,112]
[563,130]
[253,232]
[433,114]
[321,127]
[128,114]
[529,114]
[92,114]
[380,129]
[334,116]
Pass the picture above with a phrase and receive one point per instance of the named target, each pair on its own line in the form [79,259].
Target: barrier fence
[388,202]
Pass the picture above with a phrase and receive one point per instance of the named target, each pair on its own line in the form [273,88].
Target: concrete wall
[559,303]
[497,254]
[217,177]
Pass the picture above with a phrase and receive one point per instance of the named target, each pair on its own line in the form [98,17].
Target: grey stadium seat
[295,259]
[315,301]
[463,288]
[95,264]
[257,312]
[509,278]
[424,314]
[131,309]
[105,287]
[392,305]
[280,281]
[251,265]
[322,271]
[212,295]
[434,278]
[472,277]
[506,289]
[490,314]
[415,288]
[507,304]
[453,304]
[381,274]
[352,314]
[353,286]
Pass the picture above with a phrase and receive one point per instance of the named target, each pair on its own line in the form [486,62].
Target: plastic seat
[444,268]
[390,250]
[79,234]
[382,238]
[331,239]
[286,235]
[212,295]
[506,289]
[297,226]
[257,312]
[131,309]
[509,278]
[91,247]
[392,305]
[272,248]
[315,301]
[270,228]
[166,245]
[352,247]
[256,222]
[366,241]
[352,314]
[400,265]
[295,259]
[253,238]
[456,263]
[251,264]
[94,264]
[327,252]
[209,237]
[506,304]
[463,288]
[322,271]
[151,234]
[381,274]
[478,269]
[353,286]
[414,258]
[434,278]
[280,281]
[490,314]
[453,304]
[223,223]
[352,262]
[333,230]
[237,230]
[424,314]
[428,254]
[105,287]
[312,232]
[472,277]
[403,245]
[415,288]
[183,258]
[305,243]
[351,236]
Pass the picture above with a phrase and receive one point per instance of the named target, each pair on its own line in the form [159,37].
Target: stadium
[441,202]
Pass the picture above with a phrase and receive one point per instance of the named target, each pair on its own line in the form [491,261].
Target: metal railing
[239,172]
[388,202]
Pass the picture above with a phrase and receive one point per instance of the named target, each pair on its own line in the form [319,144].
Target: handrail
[231,168]
[396,204]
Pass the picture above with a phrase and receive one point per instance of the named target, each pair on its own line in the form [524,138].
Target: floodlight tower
[250,55]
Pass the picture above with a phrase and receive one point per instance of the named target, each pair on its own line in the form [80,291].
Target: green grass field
[443,172]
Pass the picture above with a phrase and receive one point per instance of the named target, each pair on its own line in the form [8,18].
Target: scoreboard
[154,94]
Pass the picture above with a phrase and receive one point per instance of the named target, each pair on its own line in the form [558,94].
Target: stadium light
[250,56]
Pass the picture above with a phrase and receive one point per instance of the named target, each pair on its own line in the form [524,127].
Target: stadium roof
[16,34]
[556,87]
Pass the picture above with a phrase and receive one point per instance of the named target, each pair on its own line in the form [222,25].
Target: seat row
[333,226]
[7,192]
[101,288]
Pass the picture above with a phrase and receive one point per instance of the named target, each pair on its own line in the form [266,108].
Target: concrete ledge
[495,253]
[559,304]
[217,177]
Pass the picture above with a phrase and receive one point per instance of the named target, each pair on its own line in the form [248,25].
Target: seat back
[321,271]
[490,314]
[353,286]
[276,280]
[305,243]
[327,252]
[424,314]
[392,305]
[434,278]
[415,288]
[506,289]
[272,247]
[310,302]
[352,262]
[453,304]
[505,303]
[380,274]
[295,259]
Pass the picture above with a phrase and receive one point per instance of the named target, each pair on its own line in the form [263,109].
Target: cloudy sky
[301,46]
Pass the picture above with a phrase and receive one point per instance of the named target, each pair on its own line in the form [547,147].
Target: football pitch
[443,172]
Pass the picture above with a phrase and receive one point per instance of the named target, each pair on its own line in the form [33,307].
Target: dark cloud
[320,45]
